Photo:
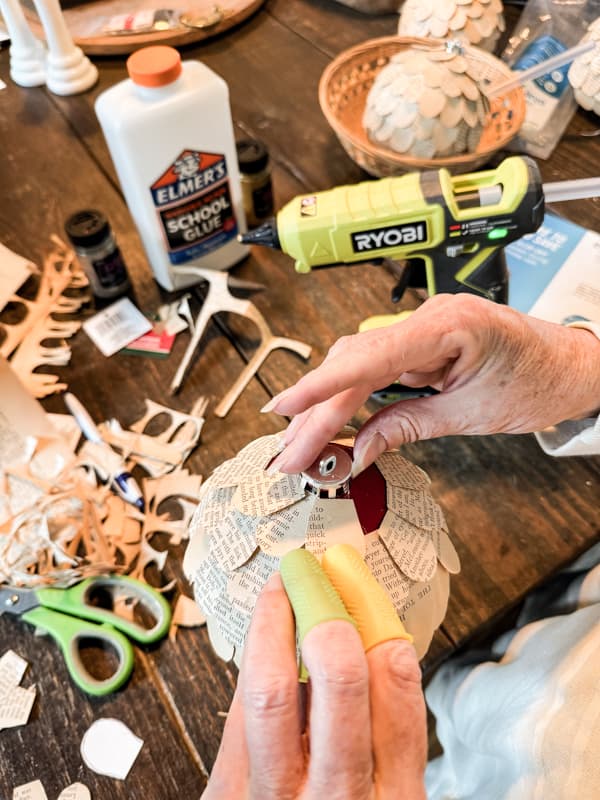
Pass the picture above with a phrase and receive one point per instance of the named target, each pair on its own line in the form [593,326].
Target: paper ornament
[478,22]
[584,72]
[426,104]
[247,520]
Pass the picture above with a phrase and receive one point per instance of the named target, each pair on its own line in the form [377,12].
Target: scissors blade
[17,601]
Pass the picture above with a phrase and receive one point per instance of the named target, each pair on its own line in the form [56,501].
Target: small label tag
[116,326]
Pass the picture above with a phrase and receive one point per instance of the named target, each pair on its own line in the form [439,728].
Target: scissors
[63,613]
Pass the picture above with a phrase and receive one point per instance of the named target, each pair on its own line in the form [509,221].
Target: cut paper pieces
[410,546]
[186,614]
[35,791]
[30,791]
[62,290]
[59,520]
[76,791]
[247,520]
[15,701]
[109,748]
[165,451]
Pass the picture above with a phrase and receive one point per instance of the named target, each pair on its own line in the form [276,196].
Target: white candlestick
[27,54]
[68,70]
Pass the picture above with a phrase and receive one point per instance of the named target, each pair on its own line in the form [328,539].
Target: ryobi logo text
[392,236]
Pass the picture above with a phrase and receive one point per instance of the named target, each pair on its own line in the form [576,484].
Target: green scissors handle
[76,602]
[69,633]
[71,617]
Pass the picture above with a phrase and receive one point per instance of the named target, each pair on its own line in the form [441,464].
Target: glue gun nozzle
[266,235]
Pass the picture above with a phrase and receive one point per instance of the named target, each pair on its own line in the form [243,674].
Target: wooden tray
[86,21]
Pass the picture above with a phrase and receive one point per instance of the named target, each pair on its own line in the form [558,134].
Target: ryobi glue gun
[449,229]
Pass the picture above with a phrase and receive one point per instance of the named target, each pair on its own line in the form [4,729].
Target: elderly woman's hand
[497,371]
[359,733]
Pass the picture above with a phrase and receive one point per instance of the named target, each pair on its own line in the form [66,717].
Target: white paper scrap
[15,701]
[12,669]
[30,791]
[15,707]
[116,326]
[76,791]
[109,748]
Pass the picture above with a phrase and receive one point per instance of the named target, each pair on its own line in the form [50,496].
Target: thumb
[404,422]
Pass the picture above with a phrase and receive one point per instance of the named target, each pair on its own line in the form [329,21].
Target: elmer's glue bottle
[169,131]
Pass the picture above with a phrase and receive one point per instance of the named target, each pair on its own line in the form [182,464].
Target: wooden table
[516,516]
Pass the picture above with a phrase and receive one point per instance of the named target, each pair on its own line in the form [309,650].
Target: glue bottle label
[193,202]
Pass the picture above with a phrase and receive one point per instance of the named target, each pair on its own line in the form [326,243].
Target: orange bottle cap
[154,66]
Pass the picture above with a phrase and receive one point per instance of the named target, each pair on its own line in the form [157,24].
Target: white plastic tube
[523,76]
[560,191]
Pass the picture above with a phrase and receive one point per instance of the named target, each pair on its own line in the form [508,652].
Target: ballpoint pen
[123,482]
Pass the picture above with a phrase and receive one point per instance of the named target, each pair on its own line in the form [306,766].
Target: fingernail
[272,404]
[276,465]
[269,406]
[273,583]
[367,454]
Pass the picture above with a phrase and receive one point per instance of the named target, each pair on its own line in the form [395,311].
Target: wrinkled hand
[365,737]
[498,371]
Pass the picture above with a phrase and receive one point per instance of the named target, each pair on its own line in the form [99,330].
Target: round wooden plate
[86,22]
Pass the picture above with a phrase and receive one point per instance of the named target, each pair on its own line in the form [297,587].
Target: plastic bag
[546,28]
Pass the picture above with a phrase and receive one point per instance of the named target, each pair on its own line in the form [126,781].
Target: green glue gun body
[449,229]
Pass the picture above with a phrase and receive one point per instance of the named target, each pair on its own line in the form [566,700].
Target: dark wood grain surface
[516,516]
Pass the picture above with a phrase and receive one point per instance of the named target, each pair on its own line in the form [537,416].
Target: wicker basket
[346,82]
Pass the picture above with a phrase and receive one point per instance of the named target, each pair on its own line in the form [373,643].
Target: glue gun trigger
[403,272]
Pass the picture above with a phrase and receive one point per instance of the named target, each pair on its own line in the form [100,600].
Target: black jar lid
[252,156]
[87,228]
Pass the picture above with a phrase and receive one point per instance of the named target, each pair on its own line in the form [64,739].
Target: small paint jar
[92,238]
[255,177]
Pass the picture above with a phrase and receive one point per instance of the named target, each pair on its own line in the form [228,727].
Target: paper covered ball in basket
[246,520]
[584,72]
[478,22]
[425,103]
